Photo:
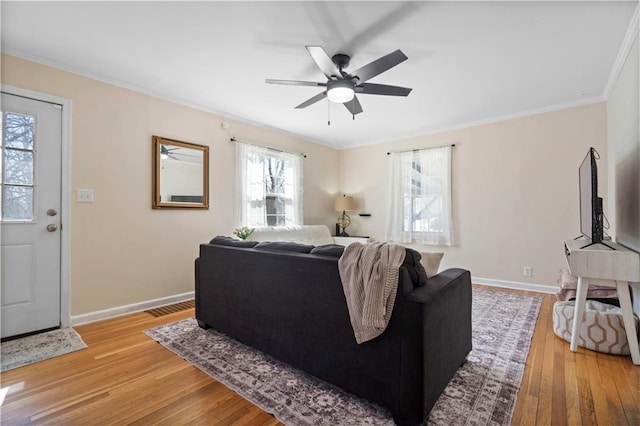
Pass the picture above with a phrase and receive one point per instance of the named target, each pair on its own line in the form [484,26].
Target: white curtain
[251,185]
[399,216]
[420,197]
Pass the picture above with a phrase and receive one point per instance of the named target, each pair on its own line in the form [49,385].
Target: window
[16,177]
[270,187]
[420,197]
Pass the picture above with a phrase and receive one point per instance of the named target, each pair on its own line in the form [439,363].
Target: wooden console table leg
[581,299]
[627,316]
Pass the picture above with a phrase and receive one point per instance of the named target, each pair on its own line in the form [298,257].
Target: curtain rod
[421,149]
[268,147]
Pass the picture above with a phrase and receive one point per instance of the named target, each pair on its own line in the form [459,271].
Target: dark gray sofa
[288,302]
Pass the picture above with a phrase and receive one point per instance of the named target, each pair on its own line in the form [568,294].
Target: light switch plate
[84,195]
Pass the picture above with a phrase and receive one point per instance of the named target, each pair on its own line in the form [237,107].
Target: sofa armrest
[432,290]
[436,321]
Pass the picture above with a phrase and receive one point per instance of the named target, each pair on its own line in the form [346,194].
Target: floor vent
[170,309]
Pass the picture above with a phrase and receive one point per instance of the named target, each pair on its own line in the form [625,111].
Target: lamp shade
[344,203]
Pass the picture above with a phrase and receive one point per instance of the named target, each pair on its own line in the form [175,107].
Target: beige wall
[515,186]
[122,251]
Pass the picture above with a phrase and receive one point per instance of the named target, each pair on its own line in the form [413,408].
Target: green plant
[243,232]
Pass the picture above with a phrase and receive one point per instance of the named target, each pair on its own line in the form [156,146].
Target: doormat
[39,347]
[482,392]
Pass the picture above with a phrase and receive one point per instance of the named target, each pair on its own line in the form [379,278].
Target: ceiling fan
[173,153]
[341,87]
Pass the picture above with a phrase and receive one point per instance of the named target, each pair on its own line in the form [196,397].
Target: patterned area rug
[483,391]
[38,347]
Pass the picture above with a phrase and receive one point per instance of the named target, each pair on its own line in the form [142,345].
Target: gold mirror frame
[156,161]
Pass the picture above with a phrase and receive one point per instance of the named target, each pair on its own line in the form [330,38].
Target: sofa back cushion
[331,250]
[284,246]
[232,242]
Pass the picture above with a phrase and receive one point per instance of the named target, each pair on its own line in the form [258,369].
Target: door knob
[52,212]
[52,228]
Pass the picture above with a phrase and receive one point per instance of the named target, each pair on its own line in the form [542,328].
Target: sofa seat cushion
[284,246]
[602,328]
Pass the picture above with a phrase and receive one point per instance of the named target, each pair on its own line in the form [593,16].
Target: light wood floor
[124,377]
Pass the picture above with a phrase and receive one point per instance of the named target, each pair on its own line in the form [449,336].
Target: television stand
[611,268]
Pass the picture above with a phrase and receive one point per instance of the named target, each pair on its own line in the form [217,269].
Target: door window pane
[18,203]
[18,167]
[19,130]
[17,175]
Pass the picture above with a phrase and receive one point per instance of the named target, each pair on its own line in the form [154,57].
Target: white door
[31,177]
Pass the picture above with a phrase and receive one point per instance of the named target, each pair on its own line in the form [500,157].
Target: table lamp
[344,204]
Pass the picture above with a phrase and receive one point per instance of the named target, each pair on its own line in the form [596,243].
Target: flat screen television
[591,212]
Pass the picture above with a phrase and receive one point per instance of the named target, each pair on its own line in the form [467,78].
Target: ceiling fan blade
[185,155]
[379,66]
[295,83]
[311,101]
[382,89]
[353,106]
[384,24]
[165,150]
[324,62]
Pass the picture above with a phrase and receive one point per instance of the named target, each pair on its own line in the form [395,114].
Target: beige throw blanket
[370,274]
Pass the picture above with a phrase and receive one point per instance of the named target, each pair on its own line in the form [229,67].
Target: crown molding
[150,92]
[222,115]
[490,120]
[630,37]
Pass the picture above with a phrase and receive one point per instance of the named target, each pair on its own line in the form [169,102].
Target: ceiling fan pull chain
[328,113]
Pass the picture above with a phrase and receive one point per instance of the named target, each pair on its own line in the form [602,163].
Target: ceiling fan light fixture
[340,91]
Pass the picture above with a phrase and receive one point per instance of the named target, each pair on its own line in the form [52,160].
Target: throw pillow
[228,241]
[431,262]
[414,267]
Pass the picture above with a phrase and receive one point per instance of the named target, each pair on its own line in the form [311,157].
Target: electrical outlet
[528,271]
[84,196]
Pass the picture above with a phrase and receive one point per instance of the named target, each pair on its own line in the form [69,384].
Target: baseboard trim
[119,311]
[539,288]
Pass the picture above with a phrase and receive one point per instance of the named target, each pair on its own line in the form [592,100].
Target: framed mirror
[180,174]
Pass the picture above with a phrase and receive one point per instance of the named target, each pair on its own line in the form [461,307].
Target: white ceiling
[468,61]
